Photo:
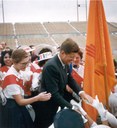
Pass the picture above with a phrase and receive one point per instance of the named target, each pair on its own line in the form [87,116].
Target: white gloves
[93,125]
[100,108]
[78,107]
[111,119]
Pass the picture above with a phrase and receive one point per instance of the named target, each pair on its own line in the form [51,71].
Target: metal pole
[86,8]
[3,11]
[77,12]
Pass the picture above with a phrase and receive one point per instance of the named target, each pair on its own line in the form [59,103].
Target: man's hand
[88,99]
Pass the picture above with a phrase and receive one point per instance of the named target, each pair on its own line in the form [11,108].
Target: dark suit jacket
[55,77]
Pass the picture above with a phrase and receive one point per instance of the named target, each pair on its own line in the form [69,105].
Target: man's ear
[62,52]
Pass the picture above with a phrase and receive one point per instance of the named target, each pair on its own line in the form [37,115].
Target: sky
[51,10]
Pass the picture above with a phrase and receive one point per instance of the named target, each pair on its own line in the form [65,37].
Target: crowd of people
[42,86]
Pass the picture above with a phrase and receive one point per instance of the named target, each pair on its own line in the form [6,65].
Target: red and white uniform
[28,76]
[3,71]
[78,74]
[13,83]
[36,78]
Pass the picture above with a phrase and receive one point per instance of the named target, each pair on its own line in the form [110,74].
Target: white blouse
[13,89]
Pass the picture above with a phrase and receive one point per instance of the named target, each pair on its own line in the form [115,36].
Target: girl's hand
[43,96]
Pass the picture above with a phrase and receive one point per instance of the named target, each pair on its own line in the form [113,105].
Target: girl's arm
[40,97]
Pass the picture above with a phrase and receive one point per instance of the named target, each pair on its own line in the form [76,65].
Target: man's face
[67,58]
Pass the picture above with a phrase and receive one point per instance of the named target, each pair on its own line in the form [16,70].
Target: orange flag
[99,68]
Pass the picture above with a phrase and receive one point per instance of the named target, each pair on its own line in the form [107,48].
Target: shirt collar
[15,71]
[63,65]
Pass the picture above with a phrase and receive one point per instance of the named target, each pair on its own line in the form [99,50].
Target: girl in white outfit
[14,113]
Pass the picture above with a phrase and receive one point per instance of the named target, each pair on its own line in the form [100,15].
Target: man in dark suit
[55,76]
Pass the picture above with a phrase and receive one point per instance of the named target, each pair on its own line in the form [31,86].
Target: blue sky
[52,10]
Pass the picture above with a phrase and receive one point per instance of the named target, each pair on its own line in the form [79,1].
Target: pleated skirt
[14,116]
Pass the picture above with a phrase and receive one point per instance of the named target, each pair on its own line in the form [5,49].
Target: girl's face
[22,64]
[77,59]
[7,60]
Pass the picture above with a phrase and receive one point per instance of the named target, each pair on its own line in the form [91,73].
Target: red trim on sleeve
[32,68]
[4,69]
[38,70]
[12,79]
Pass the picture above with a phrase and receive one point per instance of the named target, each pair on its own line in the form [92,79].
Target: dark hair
[41,63]
[34,57]
[80,54]
[3,53]
[69,46]
[18,55]
[115,63]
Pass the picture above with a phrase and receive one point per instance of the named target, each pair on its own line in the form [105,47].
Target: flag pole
[3,11]
[106,89]
[101,22]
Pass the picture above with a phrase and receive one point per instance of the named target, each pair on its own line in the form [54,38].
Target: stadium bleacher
[114,24]
[59,28]
[6,29]
[29,29]
[80,26]
[81,40]
[112,28]
[35,41]
[113,39]
[53,33]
